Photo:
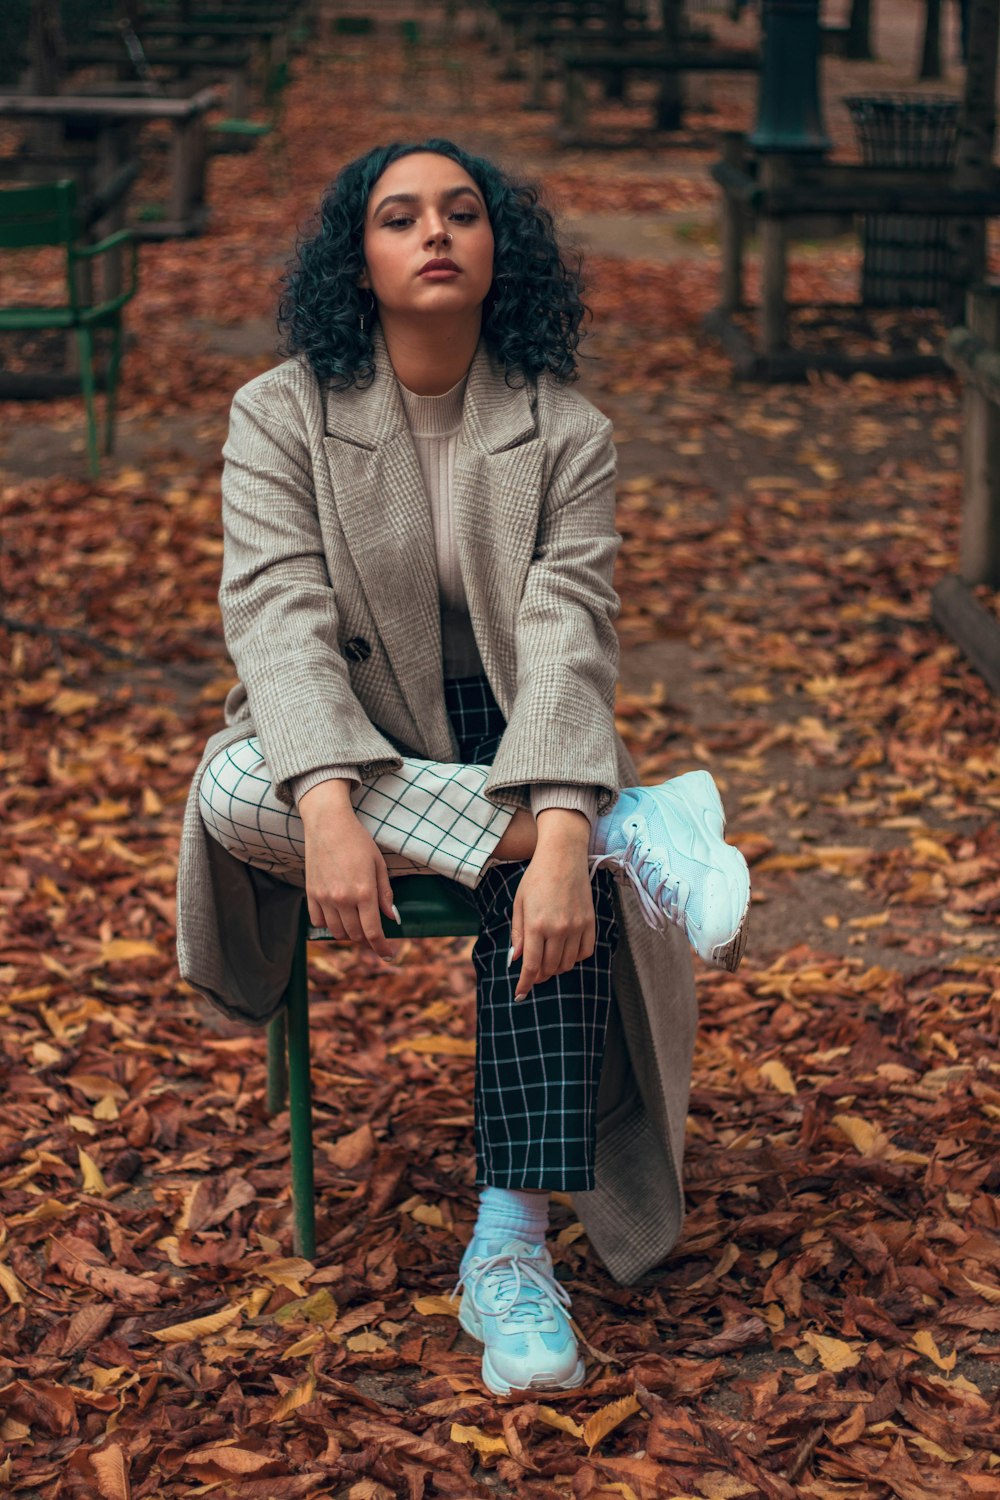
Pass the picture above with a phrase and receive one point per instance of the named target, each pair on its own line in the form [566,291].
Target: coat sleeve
[562,725]
[576,798]
[279,613]
[299,785]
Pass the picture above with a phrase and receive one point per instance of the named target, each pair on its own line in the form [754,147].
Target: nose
[437,233]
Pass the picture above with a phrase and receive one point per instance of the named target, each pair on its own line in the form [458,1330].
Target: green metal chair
[354,25]
[429,906]
[419,58]
[233,134]
[45,214]
[343,29]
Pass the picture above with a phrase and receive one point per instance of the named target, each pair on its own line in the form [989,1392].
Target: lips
[438,265]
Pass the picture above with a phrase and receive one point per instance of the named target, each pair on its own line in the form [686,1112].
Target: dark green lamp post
[789,115]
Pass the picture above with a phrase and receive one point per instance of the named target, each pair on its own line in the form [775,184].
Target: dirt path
[700,445]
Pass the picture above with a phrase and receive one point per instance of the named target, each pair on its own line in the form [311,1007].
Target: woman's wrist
[331,796]
[562,827]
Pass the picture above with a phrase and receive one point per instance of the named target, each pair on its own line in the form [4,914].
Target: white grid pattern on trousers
[538,1062]
[428,817]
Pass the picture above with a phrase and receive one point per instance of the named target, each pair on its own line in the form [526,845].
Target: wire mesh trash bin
[907,259]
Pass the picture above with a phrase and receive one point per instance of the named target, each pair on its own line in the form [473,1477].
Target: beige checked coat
[328,539]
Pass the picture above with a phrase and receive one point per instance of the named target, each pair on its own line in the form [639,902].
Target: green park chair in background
[420,58]
[429,906]
[357,25]
[233,134]
[45,214]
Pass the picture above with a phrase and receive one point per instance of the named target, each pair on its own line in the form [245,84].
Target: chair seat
[240,127]
[20,319]
[429,905]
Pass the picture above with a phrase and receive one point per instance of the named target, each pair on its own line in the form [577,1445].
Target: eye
[397,221]
[465,215]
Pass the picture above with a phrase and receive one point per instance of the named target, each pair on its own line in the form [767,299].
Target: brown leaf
[851,1428]
[83,1263]
[112,1471]
[409,1445]
[834,1354]
[739,1335]
[197,1328]
[607,1418]
[351,1150]
[901,1475]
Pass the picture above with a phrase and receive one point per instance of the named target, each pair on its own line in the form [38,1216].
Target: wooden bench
[115,121]
[783,192]
[548,37]
[973,352]
[518,23]
[576,63]
[237,132]
[183,63]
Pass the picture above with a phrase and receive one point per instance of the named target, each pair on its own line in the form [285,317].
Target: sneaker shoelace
[662,896]
[508,1273]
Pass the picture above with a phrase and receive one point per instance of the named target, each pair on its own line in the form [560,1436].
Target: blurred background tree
[27,25]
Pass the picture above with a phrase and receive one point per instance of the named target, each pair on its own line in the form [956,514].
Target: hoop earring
[366,313]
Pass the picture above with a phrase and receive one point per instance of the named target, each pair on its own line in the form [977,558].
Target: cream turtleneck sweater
[434,423]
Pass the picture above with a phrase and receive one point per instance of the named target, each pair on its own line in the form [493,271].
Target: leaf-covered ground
[827,1326]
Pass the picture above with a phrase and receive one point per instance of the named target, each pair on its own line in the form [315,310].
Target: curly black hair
[531,315]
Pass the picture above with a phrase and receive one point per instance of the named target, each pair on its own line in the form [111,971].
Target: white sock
[508,1214]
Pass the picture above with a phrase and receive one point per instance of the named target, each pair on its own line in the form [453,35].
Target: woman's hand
[347,883]
[553,923]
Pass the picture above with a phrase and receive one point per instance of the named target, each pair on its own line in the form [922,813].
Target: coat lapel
[496,497]
[385,514]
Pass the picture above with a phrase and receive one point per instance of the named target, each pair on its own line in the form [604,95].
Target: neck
[429,357]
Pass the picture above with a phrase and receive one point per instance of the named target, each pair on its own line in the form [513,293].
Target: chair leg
[277,1065]
[300,1101]
[277,157]
[112,395]
[86,347]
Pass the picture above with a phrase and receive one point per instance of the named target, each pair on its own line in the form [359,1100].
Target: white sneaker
[667,841]
[512,1303]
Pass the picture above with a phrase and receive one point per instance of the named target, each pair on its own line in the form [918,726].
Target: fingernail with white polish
[395,914]
[510,954]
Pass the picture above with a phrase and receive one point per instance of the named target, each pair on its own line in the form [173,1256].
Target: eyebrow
[446,196]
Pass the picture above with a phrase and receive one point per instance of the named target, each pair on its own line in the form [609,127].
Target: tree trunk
[46,65]
[859,32]
[974,151]
[930,55]
[46,52]
[614,81]
[670,100]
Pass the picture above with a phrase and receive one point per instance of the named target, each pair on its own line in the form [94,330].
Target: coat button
[357,649]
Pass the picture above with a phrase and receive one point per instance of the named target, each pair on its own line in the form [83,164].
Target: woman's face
[426,208]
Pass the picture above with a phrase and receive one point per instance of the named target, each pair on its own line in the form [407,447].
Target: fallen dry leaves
[828,1326]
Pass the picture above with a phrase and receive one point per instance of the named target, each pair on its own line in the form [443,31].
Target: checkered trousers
[538,1061]
[427,817]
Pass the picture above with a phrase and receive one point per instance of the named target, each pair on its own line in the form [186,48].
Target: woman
[417,596]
